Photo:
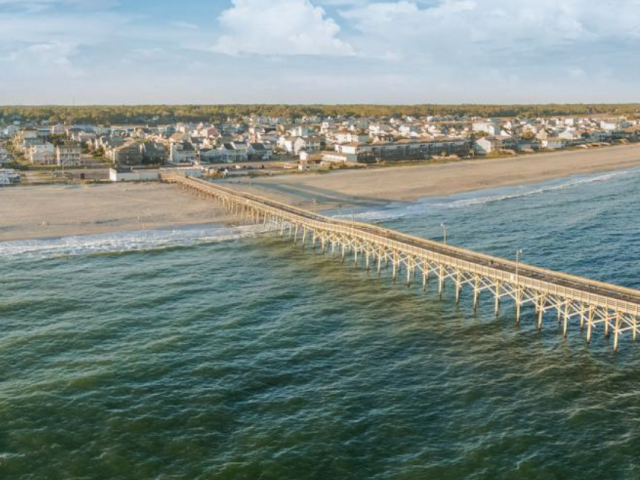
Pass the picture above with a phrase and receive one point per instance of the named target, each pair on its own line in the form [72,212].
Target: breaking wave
[128,241]
[420,207]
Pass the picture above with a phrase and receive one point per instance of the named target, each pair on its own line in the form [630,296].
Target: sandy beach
[61,211]
[402,184]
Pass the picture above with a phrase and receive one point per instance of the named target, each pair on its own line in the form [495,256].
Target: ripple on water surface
[247,358]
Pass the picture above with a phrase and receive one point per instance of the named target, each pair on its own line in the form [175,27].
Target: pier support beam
[425,277]
[592,301]
[541,305]
[394,271]
[616,333]
[476,293]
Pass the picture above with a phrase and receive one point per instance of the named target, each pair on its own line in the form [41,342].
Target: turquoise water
[222,353]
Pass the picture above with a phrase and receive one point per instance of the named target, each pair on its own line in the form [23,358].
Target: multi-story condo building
[69,155]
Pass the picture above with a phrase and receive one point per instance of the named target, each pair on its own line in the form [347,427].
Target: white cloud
[407,51]
[44,59]
[279,27]
[498,23]
[185,25]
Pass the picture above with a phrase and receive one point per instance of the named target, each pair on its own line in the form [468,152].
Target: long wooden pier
[590,304]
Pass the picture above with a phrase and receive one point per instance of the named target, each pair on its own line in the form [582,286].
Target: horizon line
[271,104]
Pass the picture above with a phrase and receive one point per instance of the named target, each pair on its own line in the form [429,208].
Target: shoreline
[168,228]
[57,212]
[379,187]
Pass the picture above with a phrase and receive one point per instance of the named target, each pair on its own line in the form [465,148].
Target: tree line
[159,114]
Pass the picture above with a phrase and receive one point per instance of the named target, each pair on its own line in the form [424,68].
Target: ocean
[225,353]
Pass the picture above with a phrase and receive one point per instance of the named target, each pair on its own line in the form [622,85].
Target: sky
[318,51]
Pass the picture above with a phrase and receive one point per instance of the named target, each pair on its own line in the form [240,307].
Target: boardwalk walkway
[590,304]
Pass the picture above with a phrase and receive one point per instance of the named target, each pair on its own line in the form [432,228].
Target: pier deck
[591,304]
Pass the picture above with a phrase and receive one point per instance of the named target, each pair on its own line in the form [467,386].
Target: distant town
[46,152]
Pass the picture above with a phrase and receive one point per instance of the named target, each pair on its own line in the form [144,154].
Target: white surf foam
[401,210]
[120,242]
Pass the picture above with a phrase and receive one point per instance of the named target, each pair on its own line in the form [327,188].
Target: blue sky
[318,51]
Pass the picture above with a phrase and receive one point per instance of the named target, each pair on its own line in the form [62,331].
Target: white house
[9,176]
[352,148]
[554,143]
[490,127]
[570,135]
[609,126]
[309,144]
[287,143]
[44,154]
[133,175]
[336,157]
[227,153]
[300,131]
[242,150]
[182,152]
[84,137]
[483,146]
[351,137]
[327,126]
[194,171]
[379,128]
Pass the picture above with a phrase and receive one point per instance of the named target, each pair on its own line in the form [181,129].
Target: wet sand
[354,188]
[63,211]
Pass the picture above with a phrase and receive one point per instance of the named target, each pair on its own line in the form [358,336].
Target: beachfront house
[69,154]
[128,174]
[483,146]
[337,157]
[259,151]
[8,176]
[554,143]
[287,144]
[127,154]
[182,152]
[308,144]
[154,153]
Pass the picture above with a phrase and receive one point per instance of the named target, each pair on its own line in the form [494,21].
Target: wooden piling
[618,308]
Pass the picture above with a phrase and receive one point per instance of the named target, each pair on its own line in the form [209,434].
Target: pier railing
[596,304]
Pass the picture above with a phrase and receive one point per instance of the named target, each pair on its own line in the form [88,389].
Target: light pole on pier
[444,232]
[518,257]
